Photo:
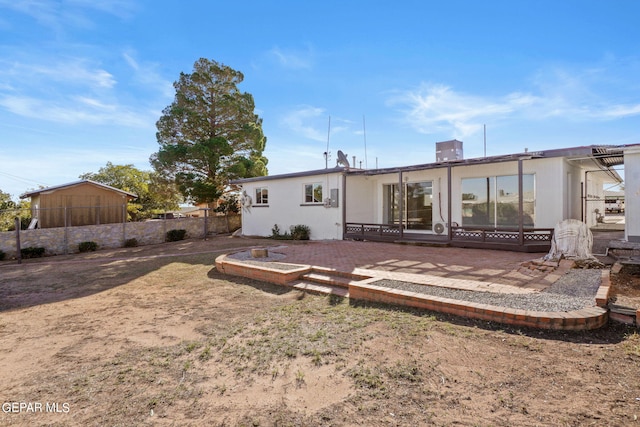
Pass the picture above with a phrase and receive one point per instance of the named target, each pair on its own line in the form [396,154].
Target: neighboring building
[614,201]
[83,202]
[511,201]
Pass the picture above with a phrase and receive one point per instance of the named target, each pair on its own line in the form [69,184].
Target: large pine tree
[210,134]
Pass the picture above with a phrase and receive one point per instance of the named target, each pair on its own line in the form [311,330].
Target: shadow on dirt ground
[611,333]
[164,339]
[59,278]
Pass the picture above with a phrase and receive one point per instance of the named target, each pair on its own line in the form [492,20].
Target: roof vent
[449,150]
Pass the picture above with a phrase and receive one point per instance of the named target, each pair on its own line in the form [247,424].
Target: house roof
[602,157]
[290,175]
[75,183]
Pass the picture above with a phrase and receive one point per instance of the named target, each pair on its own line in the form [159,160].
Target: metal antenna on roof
[485,140]
[364,133]
[326,153]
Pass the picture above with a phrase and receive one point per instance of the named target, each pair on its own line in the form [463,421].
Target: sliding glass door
[493,201]
[418,205]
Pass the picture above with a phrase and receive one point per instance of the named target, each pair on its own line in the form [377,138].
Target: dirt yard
[155,336]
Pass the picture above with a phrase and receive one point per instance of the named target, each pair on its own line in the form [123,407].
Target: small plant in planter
[87,246]
[176,235]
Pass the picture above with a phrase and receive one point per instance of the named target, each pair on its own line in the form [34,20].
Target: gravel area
[573,291]
[272,259]
[577,283]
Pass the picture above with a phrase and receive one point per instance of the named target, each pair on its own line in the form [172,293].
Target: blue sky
[83,82]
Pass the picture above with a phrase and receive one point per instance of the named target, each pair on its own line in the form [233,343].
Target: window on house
[313,193]
[493,201]
[262,196]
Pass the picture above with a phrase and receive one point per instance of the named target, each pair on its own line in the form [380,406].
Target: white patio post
[450,232]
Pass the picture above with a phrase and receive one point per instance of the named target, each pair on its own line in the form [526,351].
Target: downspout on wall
[449,230]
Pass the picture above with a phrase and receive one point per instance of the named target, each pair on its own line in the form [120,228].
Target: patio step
[622,314]
[320,289]
[331,277]
[326,279]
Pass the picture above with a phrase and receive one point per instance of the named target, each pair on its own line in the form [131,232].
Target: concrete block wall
[61,240]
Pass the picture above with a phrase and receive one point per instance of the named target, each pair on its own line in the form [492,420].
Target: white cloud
[620,111]
[597,92]
[78,90]
[59,15]
[292,59]
[121,8]
[77,110]
[73,71]
[45,12]
[147,75]
[313,123]
[304,121]
[434,108]
[558,93]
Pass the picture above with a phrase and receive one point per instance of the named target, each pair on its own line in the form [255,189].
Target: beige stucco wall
[60,240]
[360,191]
[557,190]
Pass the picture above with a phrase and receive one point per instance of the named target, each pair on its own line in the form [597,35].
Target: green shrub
[300,232]
[277,235]
[2,255]
[32,252]
[175,235]
[296,232]
[131,243]
[87,246]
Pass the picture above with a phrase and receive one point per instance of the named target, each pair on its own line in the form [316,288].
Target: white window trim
[258,200]
[313,185]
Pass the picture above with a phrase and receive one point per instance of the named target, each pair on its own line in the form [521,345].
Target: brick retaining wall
[61,240]
[263,274]
[366,290]
[584,319]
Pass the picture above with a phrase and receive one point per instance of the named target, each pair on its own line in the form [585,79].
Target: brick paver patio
[325,262]
[410,261]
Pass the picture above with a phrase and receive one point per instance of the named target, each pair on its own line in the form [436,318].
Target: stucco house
[78,203]
[510,201]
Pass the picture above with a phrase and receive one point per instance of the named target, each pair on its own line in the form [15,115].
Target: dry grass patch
[168,340]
